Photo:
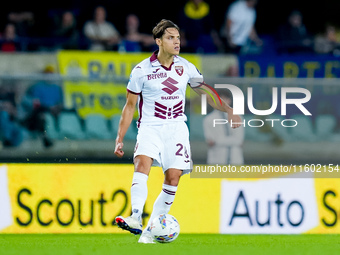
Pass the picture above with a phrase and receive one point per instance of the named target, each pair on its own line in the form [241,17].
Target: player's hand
[235,121]
[119,149]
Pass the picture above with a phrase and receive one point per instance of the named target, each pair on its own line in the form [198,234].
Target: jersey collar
[154,61]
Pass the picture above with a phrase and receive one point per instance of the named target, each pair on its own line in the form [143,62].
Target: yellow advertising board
[328,199]
[102,90]
[85,198]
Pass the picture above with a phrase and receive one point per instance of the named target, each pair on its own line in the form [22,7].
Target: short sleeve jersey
[162,90]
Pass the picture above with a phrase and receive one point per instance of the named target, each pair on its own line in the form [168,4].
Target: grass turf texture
[197,244]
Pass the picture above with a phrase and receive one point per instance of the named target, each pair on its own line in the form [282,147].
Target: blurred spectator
[327,43]
[102,34]
[293,36]
[224,143]
[134,40]
[24,23]
[233,70]
[9,41]
[198,33]
[11,133]
[66,32]
[41,98]
[239,26]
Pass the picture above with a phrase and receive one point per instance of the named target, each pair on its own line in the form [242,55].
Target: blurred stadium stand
[91,139]
[96,127]
[70,126]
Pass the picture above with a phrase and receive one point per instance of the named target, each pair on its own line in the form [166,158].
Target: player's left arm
[125,121]
[223,106]
[200,87]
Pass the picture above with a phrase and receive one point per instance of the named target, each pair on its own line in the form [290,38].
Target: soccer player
[158,85]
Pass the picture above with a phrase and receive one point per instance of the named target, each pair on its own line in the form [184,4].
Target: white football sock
[139,193]
[163,202]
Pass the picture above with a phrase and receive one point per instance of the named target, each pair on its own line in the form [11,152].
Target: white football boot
[146,237]
[130,224]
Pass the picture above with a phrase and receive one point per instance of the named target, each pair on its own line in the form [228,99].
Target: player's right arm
[134,88]
[125,121]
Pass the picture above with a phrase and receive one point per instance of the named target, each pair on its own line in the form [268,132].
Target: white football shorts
[167,144]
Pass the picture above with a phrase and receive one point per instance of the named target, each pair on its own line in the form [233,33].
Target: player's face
[171,41]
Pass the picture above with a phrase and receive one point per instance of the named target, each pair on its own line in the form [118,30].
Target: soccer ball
[164,228]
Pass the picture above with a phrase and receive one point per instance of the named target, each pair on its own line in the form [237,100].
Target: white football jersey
[162,90]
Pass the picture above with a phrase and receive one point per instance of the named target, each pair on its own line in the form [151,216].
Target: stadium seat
[324,126]
[283,132]
[131,133]
[51,127]
[255,133]
[195,122]
[96,127]
[304,131]
[70,126]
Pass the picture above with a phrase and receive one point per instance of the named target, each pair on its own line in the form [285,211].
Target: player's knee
[172,177]
[171,182]
[143,164]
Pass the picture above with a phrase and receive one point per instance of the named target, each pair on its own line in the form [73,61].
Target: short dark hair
[159,30]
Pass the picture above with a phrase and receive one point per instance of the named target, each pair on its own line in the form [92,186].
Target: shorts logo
[170,87]
[179,70]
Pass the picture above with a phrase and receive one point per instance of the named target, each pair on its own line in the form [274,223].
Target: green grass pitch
[196,244]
